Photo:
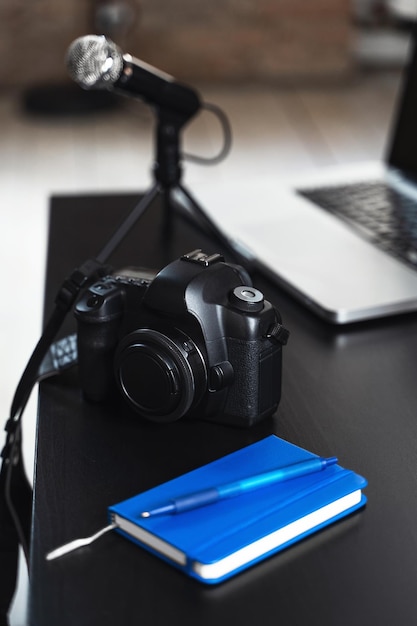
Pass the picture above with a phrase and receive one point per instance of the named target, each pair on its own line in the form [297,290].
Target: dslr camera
[195,340]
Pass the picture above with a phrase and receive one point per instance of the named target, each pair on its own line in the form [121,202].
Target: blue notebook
[214,542]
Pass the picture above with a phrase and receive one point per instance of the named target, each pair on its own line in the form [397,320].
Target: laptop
[345,246]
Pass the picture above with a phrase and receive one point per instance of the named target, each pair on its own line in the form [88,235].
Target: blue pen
[229,490]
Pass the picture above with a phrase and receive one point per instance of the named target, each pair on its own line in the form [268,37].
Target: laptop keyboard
[379,213]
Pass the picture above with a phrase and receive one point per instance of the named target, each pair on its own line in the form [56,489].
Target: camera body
[195,340]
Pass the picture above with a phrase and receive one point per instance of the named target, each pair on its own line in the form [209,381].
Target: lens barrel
[160,376]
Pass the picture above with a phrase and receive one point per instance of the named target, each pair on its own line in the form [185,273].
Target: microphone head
[94,62]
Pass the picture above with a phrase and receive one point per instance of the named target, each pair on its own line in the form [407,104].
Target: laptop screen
[403,150]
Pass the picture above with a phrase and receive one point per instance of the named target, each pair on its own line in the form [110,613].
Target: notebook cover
[210,534]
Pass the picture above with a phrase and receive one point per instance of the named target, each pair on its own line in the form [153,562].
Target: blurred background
[224,40]
[305,83]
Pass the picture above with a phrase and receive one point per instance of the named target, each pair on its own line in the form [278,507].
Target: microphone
[95,62]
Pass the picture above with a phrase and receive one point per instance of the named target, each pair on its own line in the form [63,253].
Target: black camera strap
[48,359]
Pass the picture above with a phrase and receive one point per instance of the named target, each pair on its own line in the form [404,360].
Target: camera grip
[256,390]
[96,347]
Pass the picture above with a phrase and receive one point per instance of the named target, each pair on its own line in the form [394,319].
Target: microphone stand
[167,187]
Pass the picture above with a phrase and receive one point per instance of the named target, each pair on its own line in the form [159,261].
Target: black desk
[350,392]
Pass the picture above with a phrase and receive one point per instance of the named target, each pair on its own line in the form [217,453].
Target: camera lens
[160,376]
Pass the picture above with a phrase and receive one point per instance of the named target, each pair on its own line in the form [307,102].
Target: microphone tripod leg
[199,217]
[125,227]
[168,224]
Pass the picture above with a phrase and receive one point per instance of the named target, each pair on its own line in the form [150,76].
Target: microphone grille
[94,62]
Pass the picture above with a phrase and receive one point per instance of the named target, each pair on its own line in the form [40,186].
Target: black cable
[227,138]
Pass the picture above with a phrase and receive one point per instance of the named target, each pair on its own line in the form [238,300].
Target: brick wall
[247,39]
[192,39]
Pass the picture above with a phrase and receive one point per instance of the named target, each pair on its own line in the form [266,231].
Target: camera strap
[48,359]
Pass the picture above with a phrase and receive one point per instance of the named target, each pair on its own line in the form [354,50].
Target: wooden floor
[277,133]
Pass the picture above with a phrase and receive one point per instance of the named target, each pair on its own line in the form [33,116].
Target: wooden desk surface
[349,392]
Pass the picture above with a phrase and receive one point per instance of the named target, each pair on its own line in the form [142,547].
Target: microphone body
[157,88]
[95,62]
